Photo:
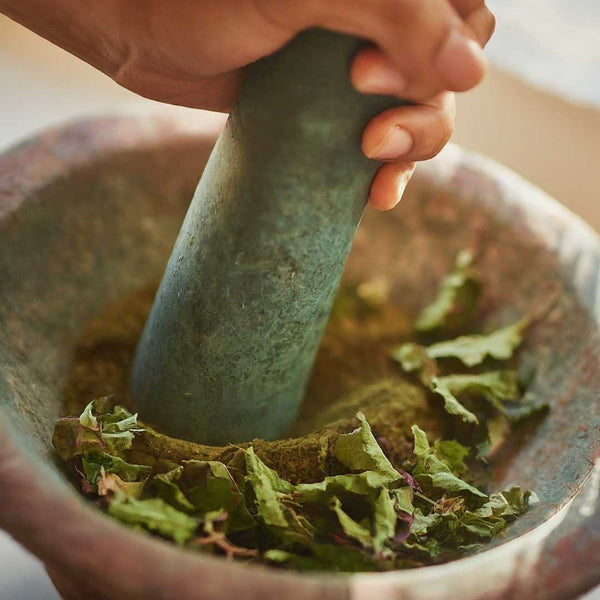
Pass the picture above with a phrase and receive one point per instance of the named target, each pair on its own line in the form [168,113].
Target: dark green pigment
[229,345]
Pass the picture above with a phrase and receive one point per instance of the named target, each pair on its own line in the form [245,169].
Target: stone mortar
[89,213]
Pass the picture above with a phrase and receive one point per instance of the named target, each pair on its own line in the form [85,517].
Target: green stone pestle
[231,339]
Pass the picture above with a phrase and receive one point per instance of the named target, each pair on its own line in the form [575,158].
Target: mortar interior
[85,240]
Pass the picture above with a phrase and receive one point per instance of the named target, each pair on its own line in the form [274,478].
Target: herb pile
[355,505]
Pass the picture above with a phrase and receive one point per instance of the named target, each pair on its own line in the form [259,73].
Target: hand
[193,53]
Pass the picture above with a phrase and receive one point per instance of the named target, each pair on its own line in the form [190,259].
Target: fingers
[389,185]
[483,24]
[372,72]
[410,133]
[400,136]
[478,17]
[428,42]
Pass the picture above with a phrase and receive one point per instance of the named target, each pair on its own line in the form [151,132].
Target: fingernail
[460,61]
[381,79]
[396,143]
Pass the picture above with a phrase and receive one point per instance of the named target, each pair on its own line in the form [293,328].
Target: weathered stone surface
[237,321]
[88,214]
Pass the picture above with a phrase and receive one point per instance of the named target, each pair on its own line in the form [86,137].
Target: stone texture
[237,321]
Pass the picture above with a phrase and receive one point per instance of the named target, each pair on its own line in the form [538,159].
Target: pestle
[228,347]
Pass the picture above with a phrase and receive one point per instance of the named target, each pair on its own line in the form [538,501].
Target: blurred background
[538,112]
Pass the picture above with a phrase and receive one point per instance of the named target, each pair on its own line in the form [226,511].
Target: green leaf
[430,469]
[120,420]
[452,453]
[326,557]
[456,300]
[154,515]
[349,525]
[109,484]
[451,404]
[268,489]
[360,451]
[271,492]
[344,559]
[211,518]
[411,356]
[88,419]
[93,463]
[118,428]
[384,519]
[517,501]
[296,561]
[473,349]
[403,499]
[166,488]
[117,442]
[363,484]
[422,522]
[482,527]
[210,487]
[495,386]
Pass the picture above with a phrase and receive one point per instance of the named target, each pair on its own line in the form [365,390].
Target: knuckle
[275,12]
[402,10]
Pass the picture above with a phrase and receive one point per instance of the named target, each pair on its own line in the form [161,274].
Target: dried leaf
[474,349]
[270,492]
[453,454]
[384,519]
[165,487]
[414,358]
[351,528]
[451,403]
[362,484]
[457,298]
[360,451]
[497,387]
[88,419]
[432,470]
[93,463]
[154,515]
[209,486]
[109,484]
[403,500]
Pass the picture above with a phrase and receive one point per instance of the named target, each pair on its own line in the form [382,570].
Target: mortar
[89,213]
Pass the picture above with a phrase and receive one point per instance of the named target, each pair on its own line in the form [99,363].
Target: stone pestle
[231,339]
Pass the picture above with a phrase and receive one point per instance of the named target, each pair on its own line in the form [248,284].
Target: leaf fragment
[433,471]
[154,515]
[472,350]
[271,493]
[166,487]
[351,528]
[384,519]
[456,300]
[87,418]
[497,387]
[93,463]
[360,451]
[451,403]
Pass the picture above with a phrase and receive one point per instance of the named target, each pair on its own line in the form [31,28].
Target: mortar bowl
[88,214]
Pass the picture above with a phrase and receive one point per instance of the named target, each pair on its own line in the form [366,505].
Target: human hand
[193,53]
